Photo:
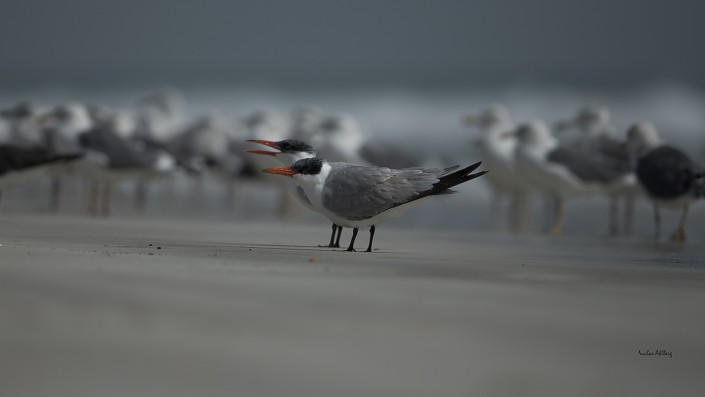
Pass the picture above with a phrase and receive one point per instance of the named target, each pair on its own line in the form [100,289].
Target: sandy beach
[130,307]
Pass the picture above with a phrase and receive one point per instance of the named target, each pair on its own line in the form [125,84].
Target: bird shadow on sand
[291,247]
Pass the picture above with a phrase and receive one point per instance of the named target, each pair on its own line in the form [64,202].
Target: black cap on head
[293,145]
[310,166]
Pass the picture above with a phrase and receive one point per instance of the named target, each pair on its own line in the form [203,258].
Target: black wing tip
[472,167]
[452,173]
[477,174]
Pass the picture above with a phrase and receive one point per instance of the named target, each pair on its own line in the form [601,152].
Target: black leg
[352,240]
[337,240]
[372,235]
[332,237]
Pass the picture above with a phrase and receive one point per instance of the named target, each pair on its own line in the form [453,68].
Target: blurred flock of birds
[527,162]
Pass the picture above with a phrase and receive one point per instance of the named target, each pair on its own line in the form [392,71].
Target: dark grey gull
[666,173]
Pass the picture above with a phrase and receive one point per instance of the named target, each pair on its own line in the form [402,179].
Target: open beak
[265,143]
[286,171]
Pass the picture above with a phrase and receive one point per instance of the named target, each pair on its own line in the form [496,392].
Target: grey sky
[326,42]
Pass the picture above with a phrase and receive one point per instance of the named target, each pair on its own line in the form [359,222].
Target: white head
[494,117]
[642,137]
[21,112]
[342,132]
[534,133]
[123,124]
[305,122]
[69,119]
[265,124]
[589,120]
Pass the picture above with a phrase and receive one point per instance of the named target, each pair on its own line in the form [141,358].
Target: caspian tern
[358,196]
[288,152]
[667,174]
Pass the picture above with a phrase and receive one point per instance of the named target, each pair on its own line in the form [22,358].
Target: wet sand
[130,307]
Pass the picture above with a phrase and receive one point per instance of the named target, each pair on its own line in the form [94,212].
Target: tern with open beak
[287,152]
[358,196]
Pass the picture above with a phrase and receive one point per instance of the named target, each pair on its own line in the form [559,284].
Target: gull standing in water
[358,196]
[288,152]
[558,171]
[666,173]
[597,139]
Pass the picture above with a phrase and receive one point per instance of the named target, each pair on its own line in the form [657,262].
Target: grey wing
[584,166]
[359,192]
[610,152]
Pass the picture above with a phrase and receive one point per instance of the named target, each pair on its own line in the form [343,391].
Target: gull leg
[93,197]
[522,219]
[140,195]
[657,222]
[107,192]
[495,205]
[55,193]
[372,236]
[352,240]
[679,234]
[546,220]
[557,229]
[513,212]
[613,215]
[337,240]
[628,214]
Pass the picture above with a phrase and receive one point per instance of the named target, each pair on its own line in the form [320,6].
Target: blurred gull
[159,115]
[22,124]
[597,139]
[339,138]
[202,145]
[342,138]
[111,157]
[497,145]
[60,130]
[667,174]
[559,172]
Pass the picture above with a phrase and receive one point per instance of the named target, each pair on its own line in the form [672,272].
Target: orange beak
[265,143]
[286,171]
